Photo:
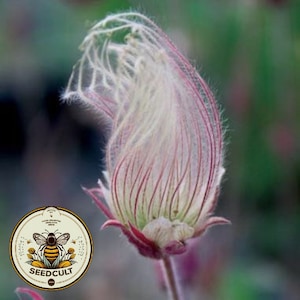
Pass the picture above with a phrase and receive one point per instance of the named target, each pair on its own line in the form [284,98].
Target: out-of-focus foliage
[249,52]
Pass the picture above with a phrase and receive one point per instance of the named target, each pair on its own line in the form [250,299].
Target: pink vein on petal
[180,181]
[141,184]
[157,184]
[114,185]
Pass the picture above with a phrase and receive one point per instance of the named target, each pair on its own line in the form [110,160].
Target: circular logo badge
[51,248]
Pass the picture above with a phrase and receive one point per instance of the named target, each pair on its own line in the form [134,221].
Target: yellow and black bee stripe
[51,253]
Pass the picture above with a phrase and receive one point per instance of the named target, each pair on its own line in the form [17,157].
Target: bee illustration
[51,250]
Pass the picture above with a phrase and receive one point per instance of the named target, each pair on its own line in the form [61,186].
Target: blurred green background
[249,52]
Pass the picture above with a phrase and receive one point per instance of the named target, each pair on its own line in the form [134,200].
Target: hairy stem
[171,280]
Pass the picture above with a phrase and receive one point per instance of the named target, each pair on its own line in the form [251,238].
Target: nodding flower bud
[165,148]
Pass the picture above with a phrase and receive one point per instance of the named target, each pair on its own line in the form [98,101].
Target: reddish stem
[171,280]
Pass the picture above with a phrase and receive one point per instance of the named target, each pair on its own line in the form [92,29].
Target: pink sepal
[97,195]
[144,246]
[174,248]
[149,249]
[112,222]
[33,294]
[141,237]
[210,222]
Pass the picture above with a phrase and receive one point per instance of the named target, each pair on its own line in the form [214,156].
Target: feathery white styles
[164,152]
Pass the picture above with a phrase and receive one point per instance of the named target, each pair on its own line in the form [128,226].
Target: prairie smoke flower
[164,151]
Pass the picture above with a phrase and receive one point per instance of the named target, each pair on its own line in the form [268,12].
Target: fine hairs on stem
[171,278]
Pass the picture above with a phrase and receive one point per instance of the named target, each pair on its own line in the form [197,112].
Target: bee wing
[62,239]
[56,262]
[39,239]
[46,262]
